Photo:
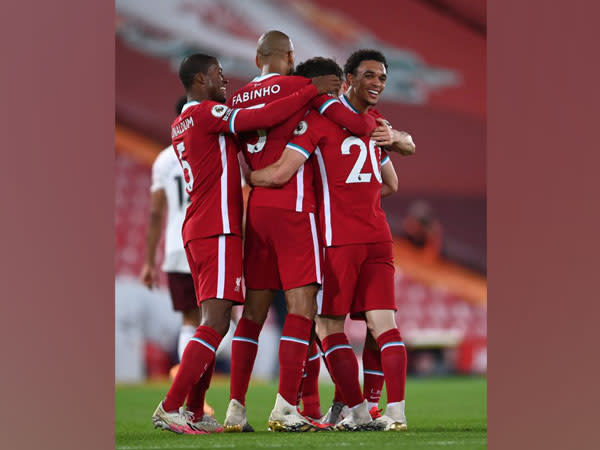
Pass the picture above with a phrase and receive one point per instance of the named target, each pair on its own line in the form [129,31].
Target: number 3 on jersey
[356,176]
[186,167]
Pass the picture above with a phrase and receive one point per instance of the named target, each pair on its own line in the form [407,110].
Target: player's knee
[220,325]
[302,308]
[373,329]
[325,326]
[191,317]
[255,314]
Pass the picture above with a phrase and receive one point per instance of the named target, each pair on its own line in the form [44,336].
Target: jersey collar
[189,104]
[347,104]
[264,77]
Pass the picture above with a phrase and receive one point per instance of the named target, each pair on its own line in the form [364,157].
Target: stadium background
[436,91]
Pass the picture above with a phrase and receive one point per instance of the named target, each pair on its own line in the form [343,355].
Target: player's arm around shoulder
[394,140]
[280,172]
[297,151]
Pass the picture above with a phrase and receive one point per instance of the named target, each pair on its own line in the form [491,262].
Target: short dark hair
[179,105]
[359,56]
[192,65]
[318,66]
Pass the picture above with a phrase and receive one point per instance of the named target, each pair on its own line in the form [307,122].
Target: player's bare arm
[394,140]
[158,204]
[278,173]
[389,178]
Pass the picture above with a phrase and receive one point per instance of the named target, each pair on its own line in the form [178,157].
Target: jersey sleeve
[248,119]
[218,118]
[332,108]
[159,174]
[384,158]
[306,136]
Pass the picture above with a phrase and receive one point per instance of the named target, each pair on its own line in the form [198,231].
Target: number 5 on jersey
[186,167]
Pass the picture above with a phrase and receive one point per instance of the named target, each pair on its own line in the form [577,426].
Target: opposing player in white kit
[168,195]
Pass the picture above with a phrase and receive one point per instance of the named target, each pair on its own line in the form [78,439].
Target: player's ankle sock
[199,355]
[343,366]
[310,389]
[393,361]
[292,355]
[195,399]
[373,375]
[243,353]
[185,334]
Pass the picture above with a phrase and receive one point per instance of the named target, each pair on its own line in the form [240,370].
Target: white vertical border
[326,201]
[221,268]
[224,203]
[313,229]
[299,188]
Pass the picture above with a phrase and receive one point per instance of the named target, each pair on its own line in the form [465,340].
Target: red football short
[182,290]
[357,278]
[216,265]
[282,249]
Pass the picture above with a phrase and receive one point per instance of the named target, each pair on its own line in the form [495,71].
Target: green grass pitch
[442,413]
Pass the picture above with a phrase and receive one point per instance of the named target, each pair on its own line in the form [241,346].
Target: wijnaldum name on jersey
[256,93]
[182,126]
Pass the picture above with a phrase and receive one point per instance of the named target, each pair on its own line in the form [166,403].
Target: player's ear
[349,79]
[200,78]
[258,61]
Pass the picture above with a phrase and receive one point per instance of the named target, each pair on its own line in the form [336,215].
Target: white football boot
[207,424]
[175,421]
[336,412]
[235,418]
[285,417]
[358,419]
[394,418]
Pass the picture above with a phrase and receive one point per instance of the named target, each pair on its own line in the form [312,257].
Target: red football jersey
[264,147]
[201,137]
[348,182]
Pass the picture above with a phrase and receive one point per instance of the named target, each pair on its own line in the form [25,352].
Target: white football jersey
[167,174]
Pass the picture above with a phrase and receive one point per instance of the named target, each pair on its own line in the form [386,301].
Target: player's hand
[327,84]
[404,142]
[148,276]
[382,135]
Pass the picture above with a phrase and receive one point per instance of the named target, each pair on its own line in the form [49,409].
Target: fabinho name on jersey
[256,93]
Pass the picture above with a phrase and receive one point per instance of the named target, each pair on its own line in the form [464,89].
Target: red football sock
[310,386]
[195,399]
[337,396]
[373,374]
[243,353]
[199,355]
[343,367]
[292,355]
[393,361]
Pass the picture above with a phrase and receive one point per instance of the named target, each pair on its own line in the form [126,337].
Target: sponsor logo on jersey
[219,110]
[301,128]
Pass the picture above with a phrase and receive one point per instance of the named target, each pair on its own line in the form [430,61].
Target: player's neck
[271,68]
[197,96]
[360,106]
